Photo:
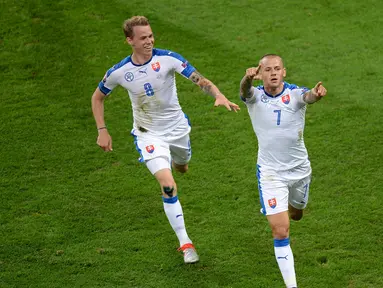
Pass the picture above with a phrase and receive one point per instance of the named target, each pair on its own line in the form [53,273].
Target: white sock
[285,260]
[173,211]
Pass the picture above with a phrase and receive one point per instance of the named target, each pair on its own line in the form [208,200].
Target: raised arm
[103,140]
[246,89]
[315,94]
[209,88]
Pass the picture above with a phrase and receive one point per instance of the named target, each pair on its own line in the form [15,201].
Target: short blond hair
[132,22]
[271,56]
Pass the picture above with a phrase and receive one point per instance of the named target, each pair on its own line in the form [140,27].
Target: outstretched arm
[209,88]
[103,140]
[246,89]
[315,94]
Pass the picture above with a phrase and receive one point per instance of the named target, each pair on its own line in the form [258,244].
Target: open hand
[221,100]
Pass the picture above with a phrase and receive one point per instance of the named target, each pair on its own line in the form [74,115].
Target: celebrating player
[277,111]
[160,128]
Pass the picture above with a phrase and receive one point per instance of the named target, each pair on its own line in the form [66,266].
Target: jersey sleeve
[298,93]
[108,83]
[253,98]
[181,65]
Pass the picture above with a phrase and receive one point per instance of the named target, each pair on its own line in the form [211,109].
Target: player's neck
[274,91]
[140,59]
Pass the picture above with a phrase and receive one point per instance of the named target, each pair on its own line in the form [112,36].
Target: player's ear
[284,72]
[129,40]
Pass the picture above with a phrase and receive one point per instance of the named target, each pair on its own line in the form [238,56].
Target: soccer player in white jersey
[160,128]
[277,111]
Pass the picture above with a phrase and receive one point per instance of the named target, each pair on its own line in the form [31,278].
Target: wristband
[101,128]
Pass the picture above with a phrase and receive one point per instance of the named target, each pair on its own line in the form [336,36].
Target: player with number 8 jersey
[152,90]
[160,128]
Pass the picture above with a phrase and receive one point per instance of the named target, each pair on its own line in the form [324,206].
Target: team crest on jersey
[264,98]
[286,99]
[150,149]
[156,66]
[272,202]
[129,76]
[184,64]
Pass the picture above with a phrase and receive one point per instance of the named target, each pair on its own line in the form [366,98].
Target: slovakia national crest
[272,202]
[156,66]
[150,149]
[286,99]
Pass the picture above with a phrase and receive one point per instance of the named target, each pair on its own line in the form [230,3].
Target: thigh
[273,192]
[157,165]
[150,147]
[180,150]
[299,193]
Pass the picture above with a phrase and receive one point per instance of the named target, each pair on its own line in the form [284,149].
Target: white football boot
[190,254]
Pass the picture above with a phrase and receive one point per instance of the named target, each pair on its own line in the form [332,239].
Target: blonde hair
[134,21]
[271,56]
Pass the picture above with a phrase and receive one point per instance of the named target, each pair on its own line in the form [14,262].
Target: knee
[169,189]
[280,231]
[296,216]
[180,168]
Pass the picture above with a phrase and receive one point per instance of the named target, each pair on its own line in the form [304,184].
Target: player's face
[272,72]
[142,40]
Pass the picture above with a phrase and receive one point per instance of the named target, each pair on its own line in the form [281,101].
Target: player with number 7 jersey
[278,121]
[277,112]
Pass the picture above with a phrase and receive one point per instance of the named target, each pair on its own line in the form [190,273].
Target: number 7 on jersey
[278,116]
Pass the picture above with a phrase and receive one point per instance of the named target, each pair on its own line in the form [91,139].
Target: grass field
[73,216]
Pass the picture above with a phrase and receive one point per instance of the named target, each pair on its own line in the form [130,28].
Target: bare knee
[296,217]
[280,231]
[167,183]
[180,168]
[168,189]
[295,214]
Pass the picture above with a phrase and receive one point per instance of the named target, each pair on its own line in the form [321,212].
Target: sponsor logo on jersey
[156,66]
[272,202]
[150,149]
[129,76]
[143,71]
[286,99]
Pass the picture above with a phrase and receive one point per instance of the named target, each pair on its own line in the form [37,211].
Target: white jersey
[278,123]
[152,90]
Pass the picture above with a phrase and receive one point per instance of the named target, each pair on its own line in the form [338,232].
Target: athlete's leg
[159,166]
[273,194]
[182,168]
[180,150]
[172,206]
[280,225]
[298,198]
[295,214]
